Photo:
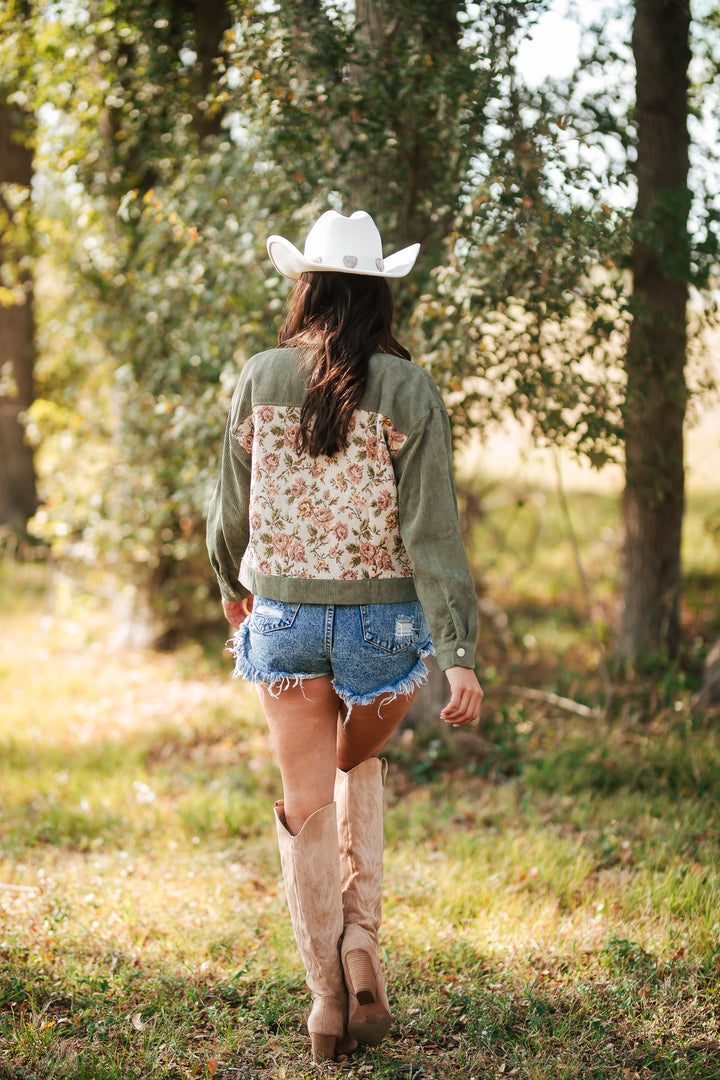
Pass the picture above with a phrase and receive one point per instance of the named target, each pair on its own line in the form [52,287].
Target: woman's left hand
[465,697]
[236,611]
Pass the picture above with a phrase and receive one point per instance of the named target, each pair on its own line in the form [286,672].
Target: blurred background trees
[168,139]
[18,500]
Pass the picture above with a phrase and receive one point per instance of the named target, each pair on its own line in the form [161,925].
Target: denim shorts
[368,650]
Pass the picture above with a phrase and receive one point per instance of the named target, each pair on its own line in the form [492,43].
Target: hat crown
[335,240]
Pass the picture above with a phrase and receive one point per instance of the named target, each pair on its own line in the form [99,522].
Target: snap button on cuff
[460,652]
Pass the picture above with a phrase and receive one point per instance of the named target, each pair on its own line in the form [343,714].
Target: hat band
[349,262]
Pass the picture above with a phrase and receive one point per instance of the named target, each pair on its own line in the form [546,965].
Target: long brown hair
[341,320]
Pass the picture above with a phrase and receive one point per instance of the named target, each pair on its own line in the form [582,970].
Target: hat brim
[292,263]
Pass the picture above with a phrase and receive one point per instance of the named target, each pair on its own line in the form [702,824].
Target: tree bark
[18,498]
[211,18]
[426,133]
[710,691]
[653,501]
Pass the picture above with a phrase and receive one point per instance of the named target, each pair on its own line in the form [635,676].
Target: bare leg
[368,729]
[309,742]
[303,730]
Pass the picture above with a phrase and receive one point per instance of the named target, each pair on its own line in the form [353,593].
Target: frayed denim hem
[415,678]
[275,682]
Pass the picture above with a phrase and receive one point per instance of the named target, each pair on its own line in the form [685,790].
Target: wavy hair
[340,320]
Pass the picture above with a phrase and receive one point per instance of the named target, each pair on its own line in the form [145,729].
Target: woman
[334,522]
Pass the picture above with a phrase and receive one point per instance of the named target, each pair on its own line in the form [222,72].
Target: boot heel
[360,976]
[323,1047]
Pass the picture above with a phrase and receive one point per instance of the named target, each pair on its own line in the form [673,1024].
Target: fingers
[236,611]
[463,707]
[465,697]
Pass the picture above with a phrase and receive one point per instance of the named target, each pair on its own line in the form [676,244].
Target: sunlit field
[552,892]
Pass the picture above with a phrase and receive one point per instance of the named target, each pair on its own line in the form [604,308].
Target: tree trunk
[653,501]
[18,499]
[426,131]
[211,18]
[710,691]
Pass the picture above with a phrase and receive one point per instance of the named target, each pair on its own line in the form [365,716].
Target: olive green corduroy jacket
[374,523]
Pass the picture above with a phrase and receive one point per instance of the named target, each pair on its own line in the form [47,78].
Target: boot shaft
[359,798]
[311,873]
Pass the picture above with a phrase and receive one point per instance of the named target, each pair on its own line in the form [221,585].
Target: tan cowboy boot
[359,803]
[312,884]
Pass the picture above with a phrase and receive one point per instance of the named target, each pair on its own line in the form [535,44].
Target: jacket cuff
[462,654]
[233,595]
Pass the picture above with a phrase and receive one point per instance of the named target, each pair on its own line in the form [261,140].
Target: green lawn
[552,893]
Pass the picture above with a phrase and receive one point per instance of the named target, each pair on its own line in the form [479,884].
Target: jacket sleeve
[228,529]
[430,530]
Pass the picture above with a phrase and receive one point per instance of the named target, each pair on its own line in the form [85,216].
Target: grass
[552,886]
[536,616]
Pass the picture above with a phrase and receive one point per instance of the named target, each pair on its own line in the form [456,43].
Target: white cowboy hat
[351,245]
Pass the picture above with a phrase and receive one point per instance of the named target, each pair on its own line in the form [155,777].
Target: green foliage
[529,311]
[169,276]
[170,296]
[171,141]
[539,338]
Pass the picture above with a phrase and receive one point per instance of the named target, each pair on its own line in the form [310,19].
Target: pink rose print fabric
[323,517]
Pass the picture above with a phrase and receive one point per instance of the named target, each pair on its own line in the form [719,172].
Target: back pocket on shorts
[270,615]
[393,627]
